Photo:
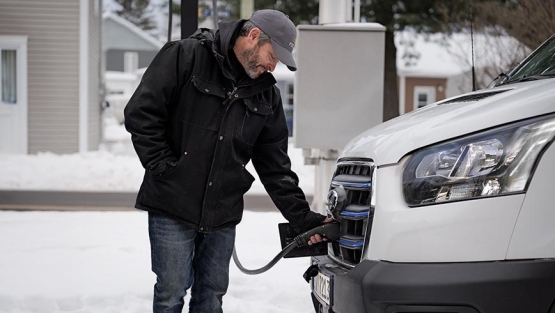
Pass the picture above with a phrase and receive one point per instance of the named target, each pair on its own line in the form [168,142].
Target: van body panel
[462,231]
[534,235]
[388,142]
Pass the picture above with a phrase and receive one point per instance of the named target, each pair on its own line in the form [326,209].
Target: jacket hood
[220,43]
[388,142]
[225,34]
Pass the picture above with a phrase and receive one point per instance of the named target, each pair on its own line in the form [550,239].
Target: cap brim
[284,56]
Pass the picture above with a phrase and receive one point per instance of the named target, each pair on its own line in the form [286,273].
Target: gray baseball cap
[281,31]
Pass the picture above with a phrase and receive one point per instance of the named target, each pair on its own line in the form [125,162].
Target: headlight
[495,162]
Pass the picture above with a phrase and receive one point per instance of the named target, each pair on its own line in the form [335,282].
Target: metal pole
[170,23]
[323,174]
[349,9]
[247,9]
[189,17]
[332,11]
[215,16]
[357,11]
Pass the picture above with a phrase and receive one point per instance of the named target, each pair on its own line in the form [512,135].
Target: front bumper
[526,286]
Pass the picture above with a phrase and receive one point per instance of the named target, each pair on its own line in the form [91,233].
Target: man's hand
[317,238]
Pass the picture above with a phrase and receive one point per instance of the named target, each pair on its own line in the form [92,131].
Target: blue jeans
[183,257]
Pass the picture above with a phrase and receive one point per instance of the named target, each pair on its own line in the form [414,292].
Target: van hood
[388,142]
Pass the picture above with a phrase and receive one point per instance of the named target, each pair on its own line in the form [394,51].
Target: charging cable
[328,230]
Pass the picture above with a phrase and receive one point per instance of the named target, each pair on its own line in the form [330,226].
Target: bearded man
[206,106]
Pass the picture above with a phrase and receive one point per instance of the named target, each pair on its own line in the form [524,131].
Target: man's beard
[249,61]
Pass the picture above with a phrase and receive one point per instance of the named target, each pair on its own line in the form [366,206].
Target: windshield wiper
[495,81]
[534,77]
[529,78]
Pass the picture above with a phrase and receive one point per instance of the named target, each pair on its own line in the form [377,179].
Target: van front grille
[354,212]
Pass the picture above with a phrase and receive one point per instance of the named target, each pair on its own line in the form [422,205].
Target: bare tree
[136,12]
[529,21]
[495,52]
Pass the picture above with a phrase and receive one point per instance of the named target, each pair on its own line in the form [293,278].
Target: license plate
[321,286]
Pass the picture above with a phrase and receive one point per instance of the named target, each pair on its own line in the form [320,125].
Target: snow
[99,262]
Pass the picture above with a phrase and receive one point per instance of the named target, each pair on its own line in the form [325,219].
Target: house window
[423,95]
[13,94]
[287,92]
[288,106]
[130,62]
[290,92]
[422,99]
[9,77]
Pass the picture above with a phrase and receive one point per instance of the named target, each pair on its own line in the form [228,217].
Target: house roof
[147,38]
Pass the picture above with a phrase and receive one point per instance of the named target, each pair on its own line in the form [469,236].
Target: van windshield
[540,65]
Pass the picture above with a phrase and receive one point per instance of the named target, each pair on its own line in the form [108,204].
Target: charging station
[338,92]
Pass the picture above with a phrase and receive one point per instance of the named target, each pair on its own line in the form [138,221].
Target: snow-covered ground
[99,262]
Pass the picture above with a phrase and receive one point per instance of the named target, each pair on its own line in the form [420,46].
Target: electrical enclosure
[339,83]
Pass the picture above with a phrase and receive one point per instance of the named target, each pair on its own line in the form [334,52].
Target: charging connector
[330,231]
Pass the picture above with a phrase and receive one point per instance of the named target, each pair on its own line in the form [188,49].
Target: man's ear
[254,34]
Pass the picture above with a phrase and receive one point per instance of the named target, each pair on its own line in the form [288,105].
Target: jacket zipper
[227,101]
[230,97]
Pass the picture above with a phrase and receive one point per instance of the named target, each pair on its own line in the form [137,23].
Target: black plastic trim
[429,309]
[474,97]
[523,286]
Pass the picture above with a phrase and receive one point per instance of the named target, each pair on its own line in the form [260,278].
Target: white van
[450,208]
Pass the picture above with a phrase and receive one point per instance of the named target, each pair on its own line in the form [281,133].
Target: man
[205,107]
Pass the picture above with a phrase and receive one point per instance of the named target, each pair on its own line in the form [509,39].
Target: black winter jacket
[195,128]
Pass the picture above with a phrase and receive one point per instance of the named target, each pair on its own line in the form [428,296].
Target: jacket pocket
[175,191]
[252,121]
[206,101]
[207,87]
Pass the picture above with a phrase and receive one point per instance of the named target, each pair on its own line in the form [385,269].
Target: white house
[126,47]
[51,80]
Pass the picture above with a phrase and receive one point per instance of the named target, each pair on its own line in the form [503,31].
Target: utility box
[339,83]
